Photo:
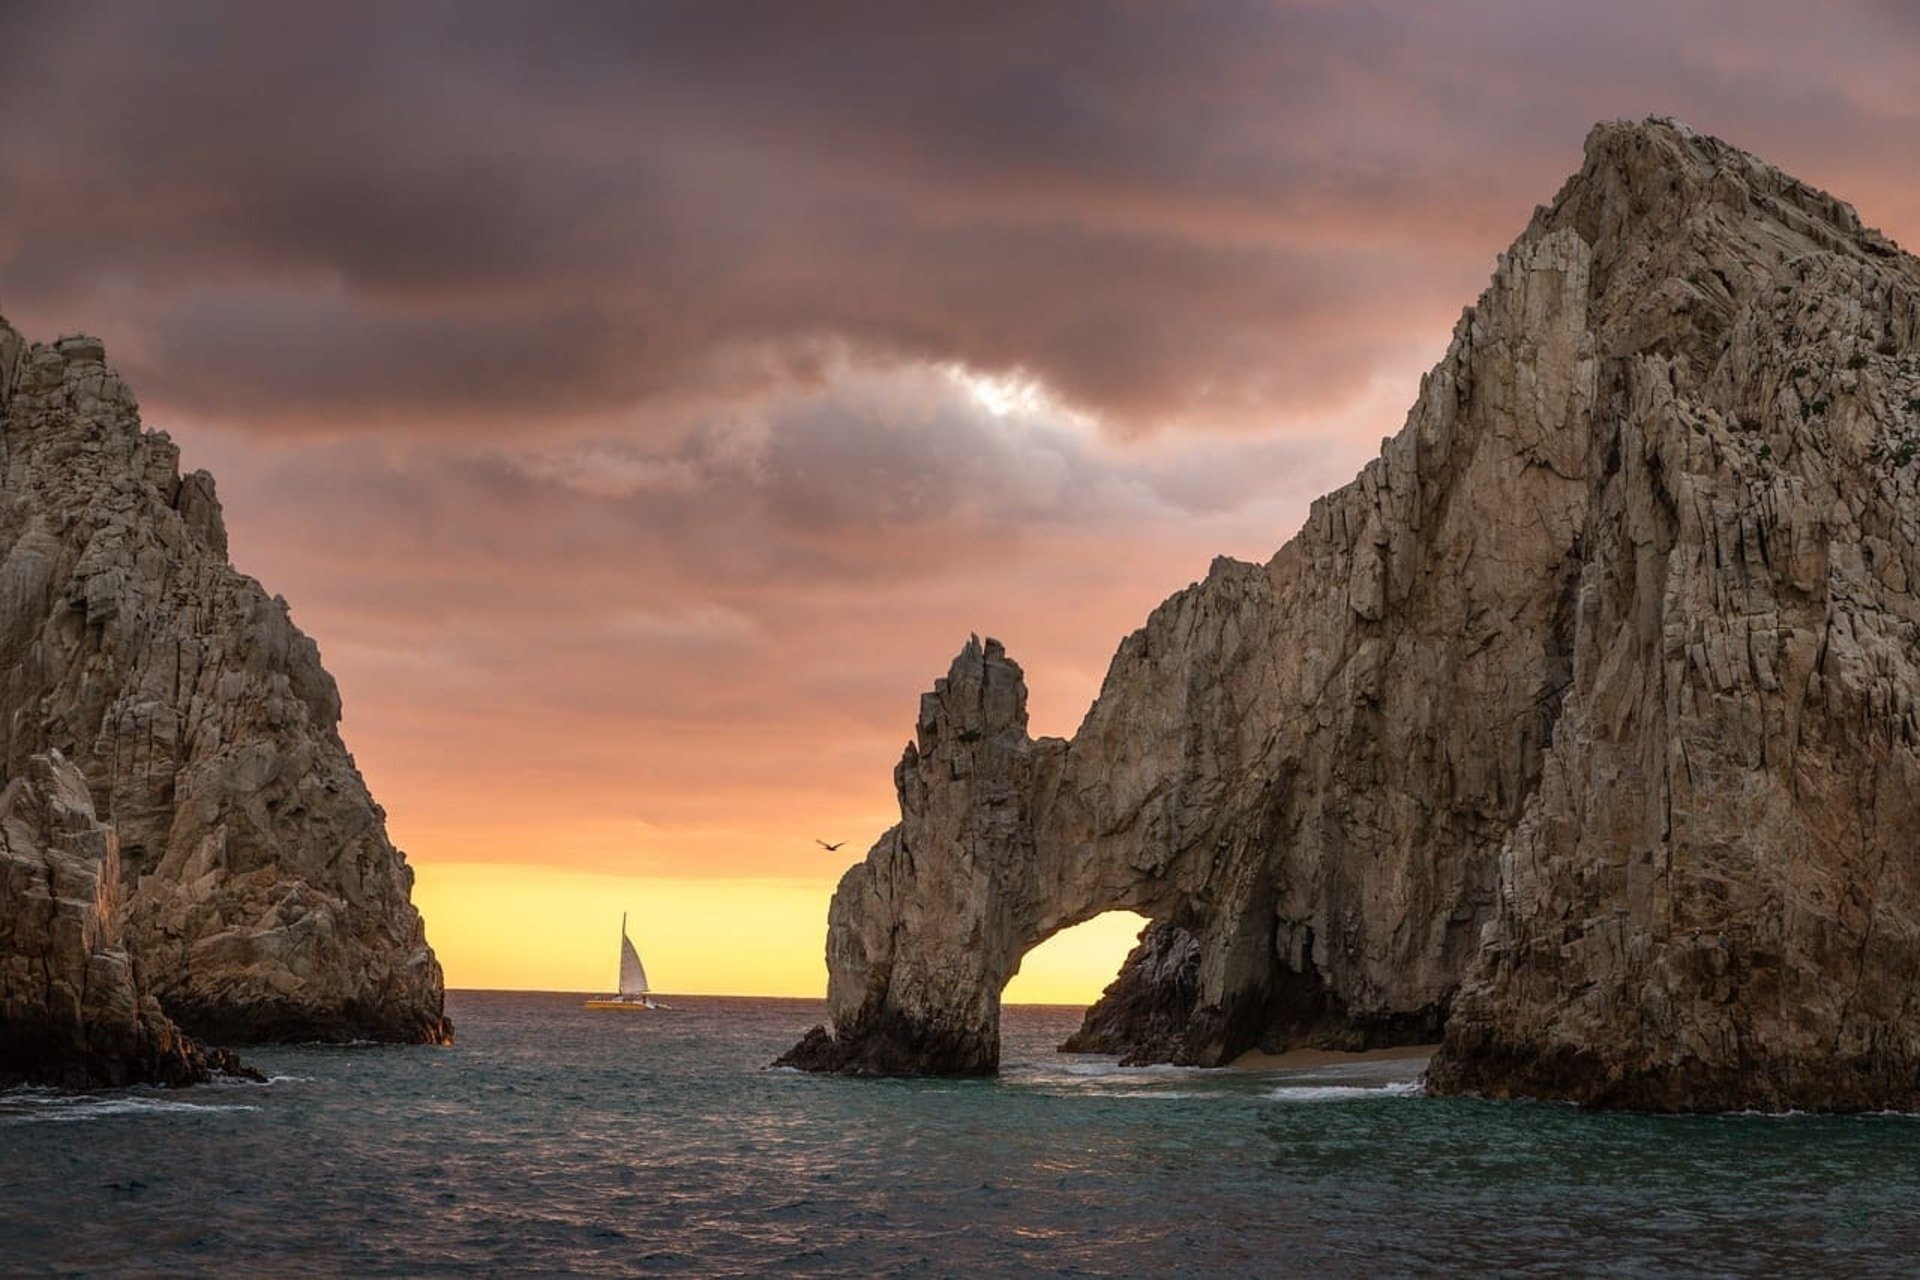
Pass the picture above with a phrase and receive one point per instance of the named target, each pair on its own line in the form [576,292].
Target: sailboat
[633,979]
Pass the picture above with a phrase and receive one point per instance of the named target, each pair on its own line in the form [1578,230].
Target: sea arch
[993,856]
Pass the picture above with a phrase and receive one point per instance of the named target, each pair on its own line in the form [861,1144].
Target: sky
[641,403]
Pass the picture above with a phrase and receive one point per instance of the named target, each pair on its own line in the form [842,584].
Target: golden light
[1075,965]
[502,926]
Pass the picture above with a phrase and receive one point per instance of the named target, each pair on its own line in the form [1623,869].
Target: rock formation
[1143,1014]
[261,897]
[71,1003]
[1582,724]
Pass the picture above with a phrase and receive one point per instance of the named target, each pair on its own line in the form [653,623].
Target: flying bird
[828,847]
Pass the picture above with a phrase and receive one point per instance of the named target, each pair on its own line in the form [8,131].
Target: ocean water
[555,1141]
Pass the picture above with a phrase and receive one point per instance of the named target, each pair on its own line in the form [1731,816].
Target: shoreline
[1255,1060]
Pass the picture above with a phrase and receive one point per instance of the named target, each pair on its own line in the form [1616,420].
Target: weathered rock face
[1582,724]
[1714,899]
[262,897]
[1143,1014]
[72,1009]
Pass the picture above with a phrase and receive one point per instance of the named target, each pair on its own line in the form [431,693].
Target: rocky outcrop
[1143,1014]
[1714,898]
[73,1011]
[1581,725]
[261,896]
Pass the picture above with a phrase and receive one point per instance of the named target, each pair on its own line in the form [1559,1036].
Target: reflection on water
[554,1140]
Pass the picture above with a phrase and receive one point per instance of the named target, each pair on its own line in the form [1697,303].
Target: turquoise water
[551,1140]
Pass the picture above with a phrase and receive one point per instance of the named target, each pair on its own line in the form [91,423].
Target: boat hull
[622,1004]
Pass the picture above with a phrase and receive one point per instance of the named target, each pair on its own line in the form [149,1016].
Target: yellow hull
[619,1004]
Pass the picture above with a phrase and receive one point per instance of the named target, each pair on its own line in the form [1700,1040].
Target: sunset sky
[642,403]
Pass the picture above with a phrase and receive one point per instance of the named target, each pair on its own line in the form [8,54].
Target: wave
[31,1106]
[1100,1068]
[1152,1093]
[1794,1114]
[241,1082]
[1346,1092]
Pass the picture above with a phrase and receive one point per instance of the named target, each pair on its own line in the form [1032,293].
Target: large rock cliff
[261,898]
[1580,726]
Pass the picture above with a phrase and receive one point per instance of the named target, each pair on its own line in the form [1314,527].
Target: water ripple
[550,1141]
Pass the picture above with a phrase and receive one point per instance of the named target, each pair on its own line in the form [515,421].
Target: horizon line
[712,995]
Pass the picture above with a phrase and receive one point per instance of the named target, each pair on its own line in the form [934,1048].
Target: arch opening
[1074,966]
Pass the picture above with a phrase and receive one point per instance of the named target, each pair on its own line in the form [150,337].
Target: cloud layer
[499,217]
[719,641]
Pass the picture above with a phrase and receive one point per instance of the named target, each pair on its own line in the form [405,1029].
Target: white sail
[633,975]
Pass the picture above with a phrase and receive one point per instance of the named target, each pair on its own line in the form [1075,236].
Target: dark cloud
[877,479]
[512,216]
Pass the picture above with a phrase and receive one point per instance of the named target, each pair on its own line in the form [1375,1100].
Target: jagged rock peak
[260,896]
[983,692]
[1658,177]
[1583,726]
